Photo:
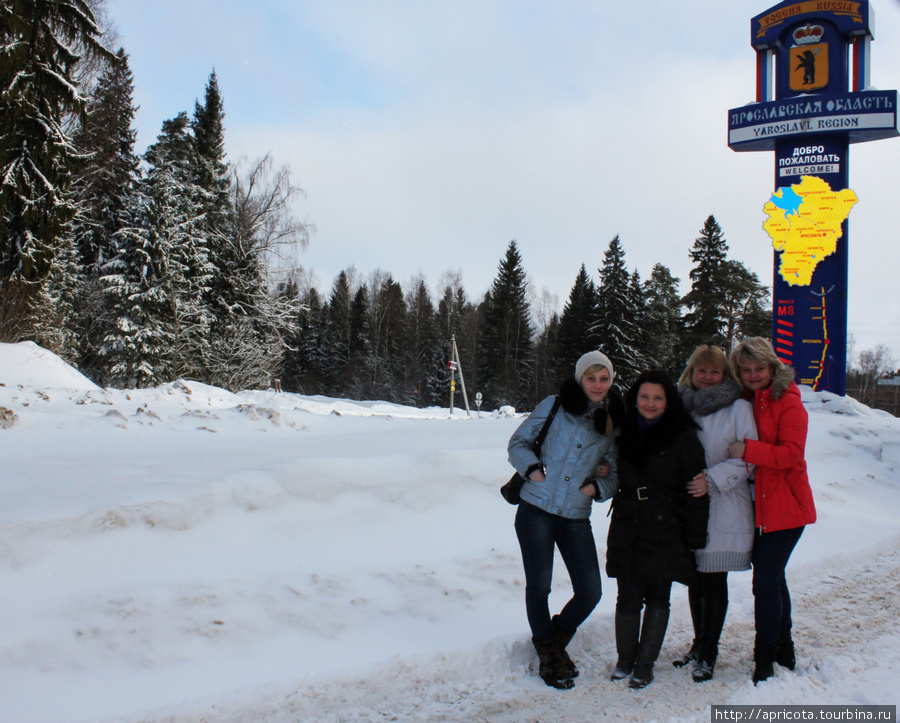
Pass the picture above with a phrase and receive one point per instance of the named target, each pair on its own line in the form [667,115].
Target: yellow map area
[805,225]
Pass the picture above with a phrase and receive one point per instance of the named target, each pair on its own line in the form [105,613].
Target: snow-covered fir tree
[42,43]
[104,187]
[662,324]
[615,325]
[704,321]
[158,281]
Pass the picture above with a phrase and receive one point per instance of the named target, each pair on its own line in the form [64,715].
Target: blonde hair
[706,355]
[594,368]
[755,350]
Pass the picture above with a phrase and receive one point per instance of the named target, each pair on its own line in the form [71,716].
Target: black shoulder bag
[511,489]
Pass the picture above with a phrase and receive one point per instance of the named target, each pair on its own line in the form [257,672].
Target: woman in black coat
[657,521]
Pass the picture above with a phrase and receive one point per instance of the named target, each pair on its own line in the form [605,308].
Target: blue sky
[427,135]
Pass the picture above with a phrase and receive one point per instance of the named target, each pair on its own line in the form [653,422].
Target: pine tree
[209,143]
[388,331]
[159,279]
[615,325]
[42,43]
[362,363]
[640,342]
[231,312]
[426,359]
[107,137]
[704,322]
[575,335]
[546,353]
[507,366]
[104,188]
[663,323]
[305,364]
[338,315]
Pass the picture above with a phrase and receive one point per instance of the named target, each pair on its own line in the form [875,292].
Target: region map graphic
[805,223]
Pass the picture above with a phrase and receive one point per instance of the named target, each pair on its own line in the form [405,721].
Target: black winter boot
[549,667]
[561,639]
[653,632]
[714,612]
[689,657]
[785,655]
[628,630]
[696,604]
[764,657]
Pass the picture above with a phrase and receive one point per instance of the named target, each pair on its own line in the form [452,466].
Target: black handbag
[511,489]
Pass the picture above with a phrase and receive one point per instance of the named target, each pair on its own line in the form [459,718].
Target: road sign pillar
[813,100]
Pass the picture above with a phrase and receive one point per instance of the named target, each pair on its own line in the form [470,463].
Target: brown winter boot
[562,638]
[549,668]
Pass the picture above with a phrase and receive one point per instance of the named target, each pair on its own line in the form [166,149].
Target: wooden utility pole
[456,365]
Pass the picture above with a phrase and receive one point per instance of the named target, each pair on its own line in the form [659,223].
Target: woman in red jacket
[783,498]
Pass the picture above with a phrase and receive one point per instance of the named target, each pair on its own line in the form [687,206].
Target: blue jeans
[538,533]
[772,599]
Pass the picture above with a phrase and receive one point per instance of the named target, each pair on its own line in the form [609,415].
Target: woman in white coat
[713,396]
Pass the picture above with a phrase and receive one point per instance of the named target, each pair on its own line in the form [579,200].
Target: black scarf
[576,402]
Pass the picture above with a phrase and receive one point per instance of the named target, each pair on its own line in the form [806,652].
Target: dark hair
[675,410]
[638,443]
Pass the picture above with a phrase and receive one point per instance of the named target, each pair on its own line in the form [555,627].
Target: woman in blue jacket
[555,505]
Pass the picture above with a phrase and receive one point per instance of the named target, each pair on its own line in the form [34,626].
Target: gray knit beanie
[590,359]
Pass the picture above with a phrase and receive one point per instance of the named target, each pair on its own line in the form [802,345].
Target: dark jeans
[633,596]
[538,533]
[772,599]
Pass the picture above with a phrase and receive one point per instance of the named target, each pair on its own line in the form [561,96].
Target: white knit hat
[590,359]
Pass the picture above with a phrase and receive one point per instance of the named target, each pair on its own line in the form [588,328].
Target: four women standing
[684,510]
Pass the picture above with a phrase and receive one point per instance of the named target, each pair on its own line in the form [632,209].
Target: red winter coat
[783,497]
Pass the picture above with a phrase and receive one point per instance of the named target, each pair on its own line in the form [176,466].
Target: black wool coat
[656,525]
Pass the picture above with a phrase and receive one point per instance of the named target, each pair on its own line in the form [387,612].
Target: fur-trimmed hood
[576,402]
[782,381]
[703,402]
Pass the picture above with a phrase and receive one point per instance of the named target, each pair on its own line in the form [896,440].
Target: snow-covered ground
[187,554]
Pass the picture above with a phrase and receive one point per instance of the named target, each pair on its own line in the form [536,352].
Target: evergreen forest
[143,269]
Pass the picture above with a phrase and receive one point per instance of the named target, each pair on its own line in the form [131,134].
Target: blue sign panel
[821,104]
[865,116]
[809,329]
